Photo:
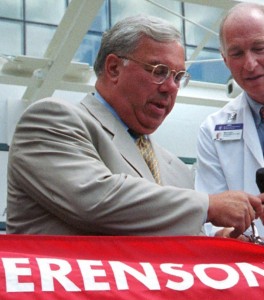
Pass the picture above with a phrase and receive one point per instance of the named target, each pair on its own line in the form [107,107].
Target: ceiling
[56,71]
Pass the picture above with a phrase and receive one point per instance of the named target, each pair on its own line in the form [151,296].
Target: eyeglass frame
[185,75]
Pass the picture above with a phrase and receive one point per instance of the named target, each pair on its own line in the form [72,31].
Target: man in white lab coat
[230,141]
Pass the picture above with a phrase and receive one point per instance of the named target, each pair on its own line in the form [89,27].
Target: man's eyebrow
[259,42]
[233,48]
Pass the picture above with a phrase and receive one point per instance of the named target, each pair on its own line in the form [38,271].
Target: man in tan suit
[77,170]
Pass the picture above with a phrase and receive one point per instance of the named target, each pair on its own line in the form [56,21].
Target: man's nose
[250,62]
[171,83]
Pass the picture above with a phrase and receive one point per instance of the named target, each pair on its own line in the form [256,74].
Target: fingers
[253,210]
[235,209]
[256,203]
[231,233]
[235,233]
[261,214]
[241,225]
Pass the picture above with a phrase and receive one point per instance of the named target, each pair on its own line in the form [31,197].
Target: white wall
[178,132]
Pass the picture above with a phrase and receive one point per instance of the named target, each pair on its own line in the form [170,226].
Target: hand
[225,233]
[261,216]
[234,209]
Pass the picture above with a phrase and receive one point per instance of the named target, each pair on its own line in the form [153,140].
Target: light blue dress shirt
[255,108]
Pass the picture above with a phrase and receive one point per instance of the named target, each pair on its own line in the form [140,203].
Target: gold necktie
[147,152]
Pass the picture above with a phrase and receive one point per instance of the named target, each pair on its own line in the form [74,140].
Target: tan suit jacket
[75,170]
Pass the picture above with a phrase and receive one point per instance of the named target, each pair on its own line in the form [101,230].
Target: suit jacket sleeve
[65,169]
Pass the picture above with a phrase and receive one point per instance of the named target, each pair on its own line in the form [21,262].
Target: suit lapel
[252,152]
[120,137]
[253,156]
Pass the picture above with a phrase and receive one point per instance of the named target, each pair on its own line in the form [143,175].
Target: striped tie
[148,154]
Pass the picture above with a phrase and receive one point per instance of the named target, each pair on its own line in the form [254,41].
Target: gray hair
[235,10]
[123,38]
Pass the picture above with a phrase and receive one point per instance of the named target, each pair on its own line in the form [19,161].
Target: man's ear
[112,66]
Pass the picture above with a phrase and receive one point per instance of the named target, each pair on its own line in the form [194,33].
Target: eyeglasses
[160,73]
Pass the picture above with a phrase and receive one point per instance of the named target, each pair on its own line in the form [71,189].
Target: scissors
[254,236]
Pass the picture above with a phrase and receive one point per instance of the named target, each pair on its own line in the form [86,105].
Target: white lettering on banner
[150,279]
[187,278]
[12,273]
[99,275]
[48,275]
[247,270]
[89,275]
[230,281]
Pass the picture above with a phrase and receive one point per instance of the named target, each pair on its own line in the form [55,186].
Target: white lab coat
[229,165]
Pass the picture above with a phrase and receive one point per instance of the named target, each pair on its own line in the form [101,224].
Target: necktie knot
[148,154]
[261,113]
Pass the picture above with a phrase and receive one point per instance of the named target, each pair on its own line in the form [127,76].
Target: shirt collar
[114,113]
[109,107]
[255,107]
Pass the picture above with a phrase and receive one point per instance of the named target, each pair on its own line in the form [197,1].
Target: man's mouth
[252,78]
[159,105]
[157,108]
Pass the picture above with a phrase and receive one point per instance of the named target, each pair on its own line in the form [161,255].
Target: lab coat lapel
[253,156]
[248,149]
[252,147]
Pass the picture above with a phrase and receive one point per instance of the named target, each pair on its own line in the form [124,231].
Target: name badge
[228,132]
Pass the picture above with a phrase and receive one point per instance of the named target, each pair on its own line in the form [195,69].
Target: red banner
[59,267]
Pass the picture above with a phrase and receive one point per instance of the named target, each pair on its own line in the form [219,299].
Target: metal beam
[21,70]
[225,4]
[68,36]
[205,39]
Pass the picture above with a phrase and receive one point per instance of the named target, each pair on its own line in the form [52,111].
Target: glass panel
[203,55]
[101,21]
[11,43]
[48,11]
[11,9]
[206,17]
[38,39]
[214,71]
[88,49]
[90,45]
[165,9]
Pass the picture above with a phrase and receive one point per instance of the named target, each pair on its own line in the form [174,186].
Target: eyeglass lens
[162,72]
